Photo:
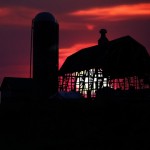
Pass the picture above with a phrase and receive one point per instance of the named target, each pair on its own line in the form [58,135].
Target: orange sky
[79,25]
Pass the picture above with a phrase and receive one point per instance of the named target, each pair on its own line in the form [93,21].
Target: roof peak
[103,39]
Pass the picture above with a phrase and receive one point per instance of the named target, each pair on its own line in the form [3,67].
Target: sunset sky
[79,21]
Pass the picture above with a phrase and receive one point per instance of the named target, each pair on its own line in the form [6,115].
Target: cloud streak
[115,13]
[20,16]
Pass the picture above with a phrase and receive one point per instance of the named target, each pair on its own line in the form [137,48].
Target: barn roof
[17,84]
[120,57]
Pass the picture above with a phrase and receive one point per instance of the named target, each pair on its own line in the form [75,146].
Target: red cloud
[120,12]
[22,16]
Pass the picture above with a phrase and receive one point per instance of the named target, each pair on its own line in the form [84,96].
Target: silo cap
[45,16]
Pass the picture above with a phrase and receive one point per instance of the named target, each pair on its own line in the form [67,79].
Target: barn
[122,63]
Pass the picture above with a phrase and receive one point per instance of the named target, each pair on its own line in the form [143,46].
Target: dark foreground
[71,125]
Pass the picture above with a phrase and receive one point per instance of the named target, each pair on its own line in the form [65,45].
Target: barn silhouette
[122,63]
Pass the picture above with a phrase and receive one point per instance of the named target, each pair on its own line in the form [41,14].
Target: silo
[45,30]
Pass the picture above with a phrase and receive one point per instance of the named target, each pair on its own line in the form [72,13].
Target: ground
[72,125]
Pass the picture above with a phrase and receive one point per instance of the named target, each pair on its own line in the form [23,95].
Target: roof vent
[103,39]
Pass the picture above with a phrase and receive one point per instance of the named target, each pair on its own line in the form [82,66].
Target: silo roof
[45,16]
